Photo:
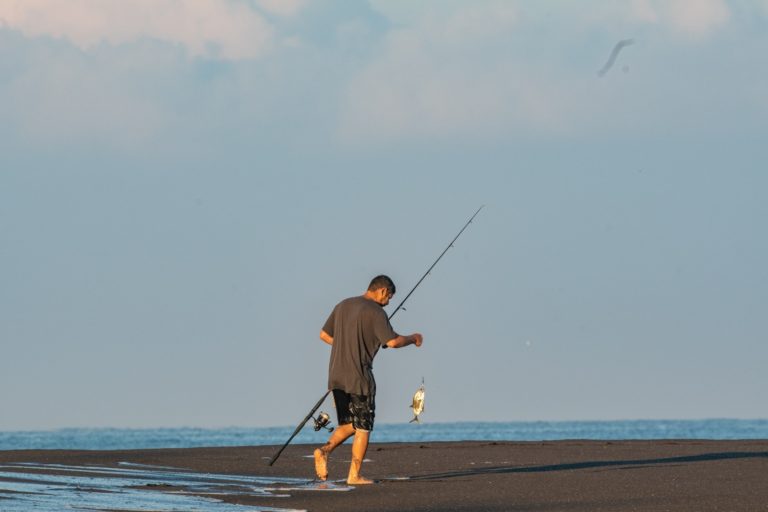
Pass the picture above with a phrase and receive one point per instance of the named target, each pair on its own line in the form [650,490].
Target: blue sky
[188,187]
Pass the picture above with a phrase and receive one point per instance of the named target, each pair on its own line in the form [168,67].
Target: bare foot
[321,460]
[359,480]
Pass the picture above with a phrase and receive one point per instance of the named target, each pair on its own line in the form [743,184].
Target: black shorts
[359,410]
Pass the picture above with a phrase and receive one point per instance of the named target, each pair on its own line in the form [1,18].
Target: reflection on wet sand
[137,488]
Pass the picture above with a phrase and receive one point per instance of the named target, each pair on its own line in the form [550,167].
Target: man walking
[356,329]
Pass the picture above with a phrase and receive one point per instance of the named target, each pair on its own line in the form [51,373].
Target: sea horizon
[118,438]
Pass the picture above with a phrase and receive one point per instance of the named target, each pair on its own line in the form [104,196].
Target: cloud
[695,18]
[431,78]
[484,70]
[405,98]
[63,97]
[226,29]
[282,7]
[450,20]
[438,70]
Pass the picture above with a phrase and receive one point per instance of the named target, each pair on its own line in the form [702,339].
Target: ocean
[127,439]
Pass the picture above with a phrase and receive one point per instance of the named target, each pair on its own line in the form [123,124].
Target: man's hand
[403,341]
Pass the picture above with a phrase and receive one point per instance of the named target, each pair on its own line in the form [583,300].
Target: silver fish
[418,403]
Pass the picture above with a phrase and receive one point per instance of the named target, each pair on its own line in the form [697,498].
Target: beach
[685,475]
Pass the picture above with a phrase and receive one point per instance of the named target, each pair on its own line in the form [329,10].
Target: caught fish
[418,403]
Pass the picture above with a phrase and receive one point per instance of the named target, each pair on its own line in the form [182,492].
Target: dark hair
[382,281]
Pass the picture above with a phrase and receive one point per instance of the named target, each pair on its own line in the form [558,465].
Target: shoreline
[573,475]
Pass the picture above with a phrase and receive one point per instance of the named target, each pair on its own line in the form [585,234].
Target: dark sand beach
[466,476]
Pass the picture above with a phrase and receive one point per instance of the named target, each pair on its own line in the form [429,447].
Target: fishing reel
[322,421]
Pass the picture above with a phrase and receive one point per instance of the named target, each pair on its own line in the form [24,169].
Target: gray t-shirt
[359,327]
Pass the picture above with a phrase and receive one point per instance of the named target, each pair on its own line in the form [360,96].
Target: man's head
[381,289]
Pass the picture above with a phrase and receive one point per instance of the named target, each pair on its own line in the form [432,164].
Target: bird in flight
[615,53]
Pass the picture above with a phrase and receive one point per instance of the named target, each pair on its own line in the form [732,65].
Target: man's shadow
[706,457]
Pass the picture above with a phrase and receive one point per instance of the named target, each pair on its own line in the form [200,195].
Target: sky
[188,187]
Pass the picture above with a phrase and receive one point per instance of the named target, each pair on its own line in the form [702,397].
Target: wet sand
[468,476]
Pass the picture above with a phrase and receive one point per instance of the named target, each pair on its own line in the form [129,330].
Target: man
[356,329]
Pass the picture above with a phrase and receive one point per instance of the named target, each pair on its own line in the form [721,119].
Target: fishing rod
[400,306]
[322,420]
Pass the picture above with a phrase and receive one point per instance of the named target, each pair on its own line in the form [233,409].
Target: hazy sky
[187,187]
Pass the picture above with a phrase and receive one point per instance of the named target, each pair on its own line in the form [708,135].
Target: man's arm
[326,337]
[403,341]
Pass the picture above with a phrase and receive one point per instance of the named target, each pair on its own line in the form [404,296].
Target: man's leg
[359,447]
[341,434]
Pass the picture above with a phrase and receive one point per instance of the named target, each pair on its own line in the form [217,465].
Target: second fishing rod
[322,420]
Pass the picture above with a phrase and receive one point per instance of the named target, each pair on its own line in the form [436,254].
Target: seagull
[615,53]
